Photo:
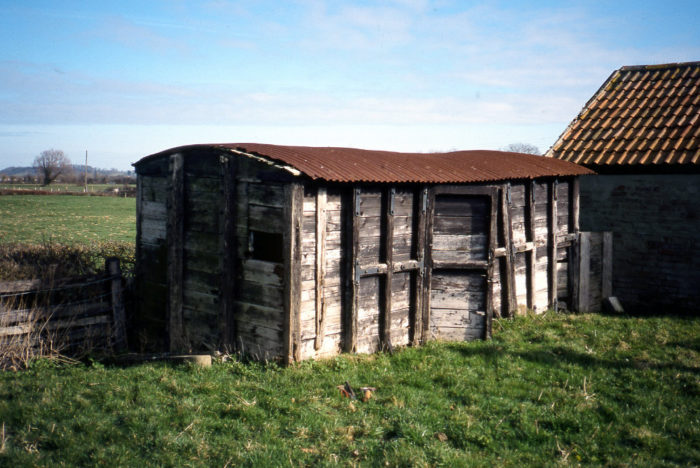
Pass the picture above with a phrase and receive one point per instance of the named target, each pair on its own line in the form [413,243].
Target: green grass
[58,187]
[546,391]
[66,219]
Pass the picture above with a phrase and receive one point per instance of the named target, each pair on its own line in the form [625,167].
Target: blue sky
[123,79]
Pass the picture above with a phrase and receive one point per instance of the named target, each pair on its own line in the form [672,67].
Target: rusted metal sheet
[642,116]
[357,165]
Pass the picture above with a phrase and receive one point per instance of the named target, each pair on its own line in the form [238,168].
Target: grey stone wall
[656,224]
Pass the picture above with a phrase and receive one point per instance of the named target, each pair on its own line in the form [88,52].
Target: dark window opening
[266,246]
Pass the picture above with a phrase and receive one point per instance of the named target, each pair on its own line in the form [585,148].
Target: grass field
[56,187]
[546,391]
[66,219]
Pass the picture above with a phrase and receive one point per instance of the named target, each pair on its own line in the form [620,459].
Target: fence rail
[73,314]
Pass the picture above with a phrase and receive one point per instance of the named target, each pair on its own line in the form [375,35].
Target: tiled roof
[642,115]
[357,165]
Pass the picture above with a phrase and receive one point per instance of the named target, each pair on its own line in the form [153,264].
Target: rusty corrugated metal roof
[642,116]
[358,165]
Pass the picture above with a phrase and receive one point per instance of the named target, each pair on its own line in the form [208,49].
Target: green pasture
[553,390]
[58,187]
[66,219]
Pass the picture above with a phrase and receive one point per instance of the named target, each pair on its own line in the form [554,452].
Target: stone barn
[290,253]
[641,133]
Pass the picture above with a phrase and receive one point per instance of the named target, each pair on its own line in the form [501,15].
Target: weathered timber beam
[175,242]
[352,281]
[385,325]
[118,310]
[507,236]
[552,251]
[493,240]
[229,247]
[321,198]
[416,315]
[293,211]
[429,220]
[531,281]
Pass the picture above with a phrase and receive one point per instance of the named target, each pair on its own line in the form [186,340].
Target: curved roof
[645,115]
[358,165]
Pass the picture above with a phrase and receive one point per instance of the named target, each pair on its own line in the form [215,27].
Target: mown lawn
[546,391]
[66,219]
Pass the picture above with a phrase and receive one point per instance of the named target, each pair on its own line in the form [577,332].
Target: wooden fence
[71,315]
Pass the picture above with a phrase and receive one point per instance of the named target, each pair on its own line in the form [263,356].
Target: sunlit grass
[66,219]
[546,391]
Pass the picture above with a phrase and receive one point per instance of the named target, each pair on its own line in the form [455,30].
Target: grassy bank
[66,219]
[546,391]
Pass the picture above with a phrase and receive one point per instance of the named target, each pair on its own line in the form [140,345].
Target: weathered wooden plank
[154,189]
[294,194]
[385,308]
[118,311]
[507,235]
[474,247]
[491,268]
[156,211]
[461,224]
[353,282]
[552,247]
[271,195]
[607,265]
[459,206]
[416,313]
[175,242]
[532,256]
[266,219]
[228,243]
[321,197]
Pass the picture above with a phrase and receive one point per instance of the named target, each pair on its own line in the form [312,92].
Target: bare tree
[523,148]
[50,164]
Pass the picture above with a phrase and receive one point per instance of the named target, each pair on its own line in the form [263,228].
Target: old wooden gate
[461,238]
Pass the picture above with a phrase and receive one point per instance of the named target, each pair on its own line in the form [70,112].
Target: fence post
[118,314]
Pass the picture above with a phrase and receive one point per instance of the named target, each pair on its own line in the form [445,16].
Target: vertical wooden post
[584,271]
[552,251]
[574,272]
[510,254]
[429,220]
[352,296]
[175,240]
[607,273]
[493,241]
[385,324]
[321,198]
[227,318]
[293,211]
[419,279]
[531,237]
[118,313]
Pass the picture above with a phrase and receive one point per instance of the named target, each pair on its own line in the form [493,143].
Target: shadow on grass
[560,356]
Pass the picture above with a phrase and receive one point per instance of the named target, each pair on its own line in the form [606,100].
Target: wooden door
[461,240]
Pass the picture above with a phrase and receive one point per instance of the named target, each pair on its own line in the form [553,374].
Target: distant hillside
[15,171]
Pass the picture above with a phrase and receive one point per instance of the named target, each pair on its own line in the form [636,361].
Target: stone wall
[656,225]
